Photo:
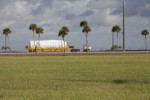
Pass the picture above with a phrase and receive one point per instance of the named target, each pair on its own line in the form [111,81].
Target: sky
[101,15]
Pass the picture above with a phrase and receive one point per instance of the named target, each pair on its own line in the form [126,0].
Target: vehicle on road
[87,49]
[48,46]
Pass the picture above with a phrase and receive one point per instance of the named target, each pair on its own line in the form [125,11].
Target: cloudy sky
[53,14]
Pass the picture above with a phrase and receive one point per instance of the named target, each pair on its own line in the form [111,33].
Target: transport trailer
[48,46]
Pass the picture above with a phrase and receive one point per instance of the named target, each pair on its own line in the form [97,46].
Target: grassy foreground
[75,78]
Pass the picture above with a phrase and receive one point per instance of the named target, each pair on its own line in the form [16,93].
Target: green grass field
[75,78]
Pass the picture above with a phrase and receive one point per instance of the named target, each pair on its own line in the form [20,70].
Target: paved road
[76,53]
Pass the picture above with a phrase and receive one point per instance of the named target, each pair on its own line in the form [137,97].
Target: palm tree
[33,28]
[6,32]
[117,29]
[145,32]
[62,33]
[113,30]
[86,30]
[39,31]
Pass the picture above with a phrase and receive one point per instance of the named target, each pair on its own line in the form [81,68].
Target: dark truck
[73,49]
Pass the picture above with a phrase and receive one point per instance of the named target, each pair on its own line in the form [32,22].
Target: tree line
[117,29]
[64,31]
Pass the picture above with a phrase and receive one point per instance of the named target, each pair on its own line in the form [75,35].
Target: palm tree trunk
[9,43]
[146,43]
[117,41]
[64,46]
[5,43]
[61,46]
[87,44]
[39,37]
[112,39]
[34,40]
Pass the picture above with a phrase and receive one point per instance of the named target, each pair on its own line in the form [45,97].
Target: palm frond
[7,31]
[145,32]
[39,30]
[32,27]
[86,29]
[83,23]
[64,31]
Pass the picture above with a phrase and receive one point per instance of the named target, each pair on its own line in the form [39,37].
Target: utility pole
[124,48]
